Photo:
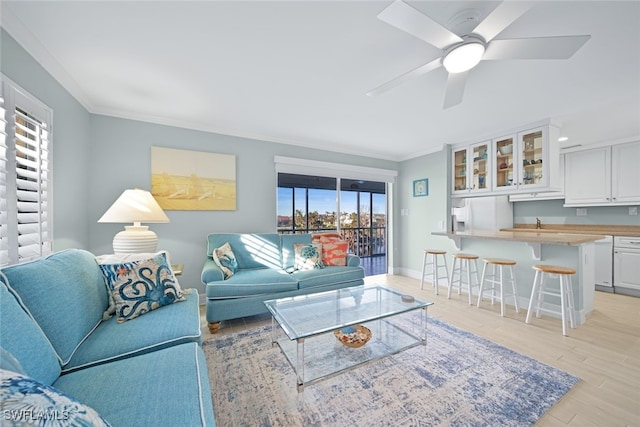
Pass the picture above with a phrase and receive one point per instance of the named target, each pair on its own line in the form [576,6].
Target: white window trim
[13,95]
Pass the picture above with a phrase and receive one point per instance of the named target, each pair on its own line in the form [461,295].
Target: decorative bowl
[507,149]
[353,336]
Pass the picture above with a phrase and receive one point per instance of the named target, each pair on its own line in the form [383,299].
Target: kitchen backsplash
[553,212]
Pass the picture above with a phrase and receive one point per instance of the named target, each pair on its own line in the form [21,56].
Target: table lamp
[135,206]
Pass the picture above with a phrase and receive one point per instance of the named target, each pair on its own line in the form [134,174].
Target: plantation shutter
[4,244]
[24,178]
[32,172]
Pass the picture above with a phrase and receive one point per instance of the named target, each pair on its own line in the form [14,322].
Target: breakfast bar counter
[528,248]
[533,239]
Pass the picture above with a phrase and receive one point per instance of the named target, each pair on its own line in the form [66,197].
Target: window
[25,175]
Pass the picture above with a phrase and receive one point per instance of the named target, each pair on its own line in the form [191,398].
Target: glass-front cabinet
[471,169]
[527,161]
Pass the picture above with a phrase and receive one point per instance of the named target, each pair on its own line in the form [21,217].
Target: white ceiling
[296,72]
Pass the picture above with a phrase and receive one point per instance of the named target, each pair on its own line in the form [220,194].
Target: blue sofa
[265,270]
[147,371]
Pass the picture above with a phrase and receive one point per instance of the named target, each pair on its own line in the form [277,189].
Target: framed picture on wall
[421,187]
[193,180]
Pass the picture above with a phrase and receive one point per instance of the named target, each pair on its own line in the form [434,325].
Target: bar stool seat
[565,292]
[431,266]
[462,263]
[496,279]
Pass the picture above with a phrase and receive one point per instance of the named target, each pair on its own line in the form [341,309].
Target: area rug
[457,379]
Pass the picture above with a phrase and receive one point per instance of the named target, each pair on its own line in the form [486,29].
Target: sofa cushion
[161,388]
[22,338]
[139,287]
[251,250]
[31,401]
[308,256]
[170,325]
[64,293]
[288,248]
[225,260]
[328,275]
[252,282]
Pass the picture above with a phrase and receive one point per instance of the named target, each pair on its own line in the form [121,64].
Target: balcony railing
[364,241]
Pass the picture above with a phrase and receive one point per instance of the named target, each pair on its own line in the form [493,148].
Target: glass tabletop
[312,314]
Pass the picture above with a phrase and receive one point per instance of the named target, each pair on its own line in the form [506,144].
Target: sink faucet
[538,224]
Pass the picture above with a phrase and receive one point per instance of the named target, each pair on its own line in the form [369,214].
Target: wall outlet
[633,211]
[581,212]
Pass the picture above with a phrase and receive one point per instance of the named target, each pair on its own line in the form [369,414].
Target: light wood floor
[604,352]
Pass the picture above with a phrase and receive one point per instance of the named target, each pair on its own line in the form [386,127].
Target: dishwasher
[626,265]
[604,264]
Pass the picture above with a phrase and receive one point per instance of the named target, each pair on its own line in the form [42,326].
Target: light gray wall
[70,142]
[424,213]
[121,158]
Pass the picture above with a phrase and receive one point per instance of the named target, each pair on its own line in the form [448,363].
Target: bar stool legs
[565,292]
[497,280]
[431,267]
[462,263]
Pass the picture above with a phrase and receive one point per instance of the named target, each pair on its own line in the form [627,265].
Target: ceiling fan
[460,53]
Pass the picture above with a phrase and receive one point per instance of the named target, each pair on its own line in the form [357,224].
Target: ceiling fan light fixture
[463,57]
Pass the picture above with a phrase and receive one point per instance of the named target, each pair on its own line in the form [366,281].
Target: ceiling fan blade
[500,18]
[561,47]
[414,22]
[455,89]
[423,69]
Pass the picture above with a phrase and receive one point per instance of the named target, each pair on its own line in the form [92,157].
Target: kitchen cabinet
[519,162]
[472,169]
[544,195]
[603,176]
[626,264]
[527,162]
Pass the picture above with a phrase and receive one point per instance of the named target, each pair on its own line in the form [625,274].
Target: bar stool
[496,280]
[464,263]
[434,272]
[565,292]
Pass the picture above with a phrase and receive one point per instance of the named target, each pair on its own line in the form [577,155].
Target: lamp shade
[135,206]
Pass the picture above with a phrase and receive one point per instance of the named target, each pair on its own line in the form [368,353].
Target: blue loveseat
[265,270]
[146,371]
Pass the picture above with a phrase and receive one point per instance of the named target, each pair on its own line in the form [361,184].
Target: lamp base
[135,239]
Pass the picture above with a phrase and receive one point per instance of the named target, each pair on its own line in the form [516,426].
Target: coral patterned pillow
[334,249]
[335,253]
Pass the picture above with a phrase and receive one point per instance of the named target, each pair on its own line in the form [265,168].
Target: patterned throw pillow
[226,260]
[120,259]
[334,249]
[308,256]
[335,253]
[26,401]
[141,286]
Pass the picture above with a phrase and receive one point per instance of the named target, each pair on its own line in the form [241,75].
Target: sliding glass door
[354,208]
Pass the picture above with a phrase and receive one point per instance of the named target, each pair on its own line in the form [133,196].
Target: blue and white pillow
[139,287]
[308,256]
[225,260]
[26,401]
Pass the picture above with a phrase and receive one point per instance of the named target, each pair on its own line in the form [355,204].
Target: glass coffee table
[303,327]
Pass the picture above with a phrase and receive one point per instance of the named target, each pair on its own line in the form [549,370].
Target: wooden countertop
[603,230]
[531,237]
